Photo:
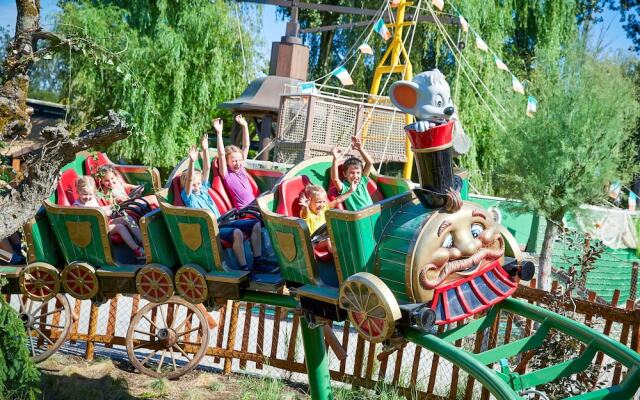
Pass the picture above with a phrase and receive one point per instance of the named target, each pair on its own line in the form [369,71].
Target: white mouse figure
[428,97]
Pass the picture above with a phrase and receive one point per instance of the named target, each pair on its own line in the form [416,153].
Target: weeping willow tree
[167,64]
[516,30]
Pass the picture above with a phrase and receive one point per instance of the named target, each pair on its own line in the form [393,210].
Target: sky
[613,35]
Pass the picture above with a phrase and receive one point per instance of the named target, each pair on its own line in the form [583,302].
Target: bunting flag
[614,189]
[632,201]
[517,85]
[307,87]
[365,49]
[481,44]
[463,23]
[500,64]
[532,106]
[439,4]
[382,30]
[342,74]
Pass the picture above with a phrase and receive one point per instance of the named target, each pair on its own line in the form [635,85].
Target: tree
[166,63]
[577,142]
[40,167]
[19,376]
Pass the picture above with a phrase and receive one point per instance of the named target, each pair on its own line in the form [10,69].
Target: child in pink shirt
[231,165]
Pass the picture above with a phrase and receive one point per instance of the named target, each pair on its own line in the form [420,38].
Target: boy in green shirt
[354,173]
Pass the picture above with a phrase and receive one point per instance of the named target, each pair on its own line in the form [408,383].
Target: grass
[160,386]
[264,389]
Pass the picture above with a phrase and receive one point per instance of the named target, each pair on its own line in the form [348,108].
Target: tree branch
[41,168]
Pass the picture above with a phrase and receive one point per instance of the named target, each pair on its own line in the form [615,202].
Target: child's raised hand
[354,186]
[356,144]
[304,201]
[204,142]
[217,125]
[240,120]
[335,152]
[193,153]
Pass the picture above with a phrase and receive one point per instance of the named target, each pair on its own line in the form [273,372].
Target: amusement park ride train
[418,258]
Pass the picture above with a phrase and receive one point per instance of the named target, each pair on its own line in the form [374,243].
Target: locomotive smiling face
[453,246]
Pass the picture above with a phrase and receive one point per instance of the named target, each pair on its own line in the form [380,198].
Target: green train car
[395,262]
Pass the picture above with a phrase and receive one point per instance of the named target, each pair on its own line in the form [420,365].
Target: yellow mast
[392,64]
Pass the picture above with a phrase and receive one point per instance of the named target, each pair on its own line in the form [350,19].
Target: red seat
[93,162]
[176,189]
[66,193]
[218,185]
[289,204]
[289,195]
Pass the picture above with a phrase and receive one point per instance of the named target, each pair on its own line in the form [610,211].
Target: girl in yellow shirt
[314,203]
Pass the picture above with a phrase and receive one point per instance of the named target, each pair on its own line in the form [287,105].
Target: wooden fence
[259,337]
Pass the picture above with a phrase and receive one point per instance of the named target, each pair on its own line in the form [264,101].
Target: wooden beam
[447,20]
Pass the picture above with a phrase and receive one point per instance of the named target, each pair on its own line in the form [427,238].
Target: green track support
[466,361]
[504,384]
[315,356]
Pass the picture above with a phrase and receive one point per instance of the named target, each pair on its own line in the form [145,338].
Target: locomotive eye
[476,230]
[448,241]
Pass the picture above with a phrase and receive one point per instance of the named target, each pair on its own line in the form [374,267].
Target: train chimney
[432,153]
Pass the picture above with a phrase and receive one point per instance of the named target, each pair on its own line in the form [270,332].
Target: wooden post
[345,344]
[111,323]
[607,324]
[231,339]
[291,353]
[275,337]
[624,338]
[77,308]
[222,321]
[265,136]
[93,325]
[357,366]
[308,126]
[633,289]
[260,344]
[246,331]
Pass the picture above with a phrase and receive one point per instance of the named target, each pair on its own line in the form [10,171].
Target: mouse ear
[404,94]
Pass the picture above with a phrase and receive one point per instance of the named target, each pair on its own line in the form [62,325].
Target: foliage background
[167,64]
[19,377]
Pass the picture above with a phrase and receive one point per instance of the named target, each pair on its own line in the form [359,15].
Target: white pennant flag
[343,75]
[464,24]
[500,64]
[481,44]
[517,85]
[532,106]
[439,4]
[365,49]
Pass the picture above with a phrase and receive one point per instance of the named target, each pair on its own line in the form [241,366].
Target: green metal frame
[505,384]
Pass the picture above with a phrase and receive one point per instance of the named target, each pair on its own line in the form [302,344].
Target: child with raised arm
[195,186]
[355,174]
[231,165]
[314,203]
[86,188]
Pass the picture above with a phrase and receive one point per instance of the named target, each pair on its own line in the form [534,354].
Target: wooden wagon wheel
[47,324]
[39,281]
[372,308]
[170,332]
[154,282]
[191,284]
[80,280]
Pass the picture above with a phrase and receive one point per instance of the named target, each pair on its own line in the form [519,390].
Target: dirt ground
[70,377]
